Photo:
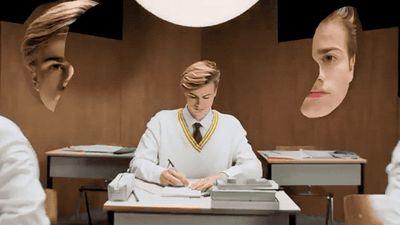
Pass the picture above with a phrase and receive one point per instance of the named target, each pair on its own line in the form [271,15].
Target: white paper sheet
[180,192]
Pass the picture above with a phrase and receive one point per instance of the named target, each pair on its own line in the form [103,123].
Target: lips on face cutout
[317,94]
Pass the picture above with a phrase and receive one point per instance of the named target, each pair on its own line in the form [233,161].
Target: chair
[50,205]
[316,191]
[84,189]
[358,211]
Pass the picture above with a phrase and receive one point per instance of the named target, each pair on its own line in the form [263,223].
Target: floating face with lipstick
[334,50]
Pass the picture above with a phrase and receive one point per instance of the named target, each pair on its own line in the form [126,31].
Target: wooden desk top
[311,161]
[82,154]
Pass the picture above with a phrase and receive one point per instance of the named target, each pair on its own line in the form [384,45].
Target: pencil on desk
[134,195]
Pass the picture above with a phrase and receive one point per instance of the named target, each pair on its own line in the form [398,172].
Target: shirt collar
[205,122]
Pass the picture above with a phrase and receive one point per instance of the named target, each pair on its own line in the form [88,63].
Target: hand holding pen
[172,177]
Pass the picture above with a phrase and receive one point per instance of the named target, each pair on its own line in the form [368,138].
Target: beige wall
[119,85]
[154,54]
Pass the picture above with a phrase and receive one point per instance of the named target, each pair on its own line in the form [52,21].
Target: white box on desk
[121,187]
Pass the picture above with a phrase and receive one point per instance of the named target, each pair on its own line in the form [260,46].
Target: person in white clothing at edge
[170,151]
[21,194]
[387,206]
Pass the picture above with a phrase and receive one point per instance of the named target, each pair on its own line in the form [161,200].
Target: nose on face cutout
[53,85]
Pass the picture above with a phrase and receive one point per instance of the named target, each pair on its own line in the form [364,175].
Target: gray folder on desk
[244,194]
[257,205]
[244,184]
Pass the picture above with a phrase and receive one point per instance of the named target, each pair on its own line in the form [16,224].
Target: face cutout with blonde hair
[43,47]
[334,49]
[51,72]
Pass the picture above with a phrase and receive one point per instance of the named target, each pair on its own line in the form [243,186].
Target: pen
[174,169]
[170,163]
[134,195]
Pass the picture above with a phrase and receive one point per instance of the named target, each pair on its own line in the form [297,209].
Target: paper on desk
[319,154]
[94,148]
[285,154]
[148,187]
[180,192]
[299,154]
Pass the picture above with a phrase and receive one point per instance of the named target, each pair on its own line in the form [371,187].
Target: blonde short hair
[199,74]
[54,21]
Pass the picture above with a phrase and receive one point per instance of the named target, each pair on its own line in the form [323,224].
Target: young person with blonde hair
[195,141]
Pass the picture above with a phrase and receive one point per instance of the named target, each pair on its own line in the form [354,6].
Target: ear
[35,81]
[352,62]
[70,73]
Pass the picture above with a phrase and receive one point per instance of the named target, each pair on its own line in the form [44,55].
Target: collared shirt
[205,122]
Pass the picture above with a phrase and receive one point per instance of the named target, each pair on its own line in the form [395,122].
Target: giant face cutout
[44,47]
[330,50]
[51,72]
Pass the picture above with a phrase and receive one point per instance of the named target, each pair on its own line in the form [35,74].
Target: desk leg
[110,217]
[49,180]
[292,219]
[269,174]
[361,186]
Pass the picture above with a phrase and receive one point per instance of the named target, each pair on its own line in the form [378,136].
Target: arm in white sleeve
[393,171]
[21,193]
[246,163]
[387,207]
[145,164]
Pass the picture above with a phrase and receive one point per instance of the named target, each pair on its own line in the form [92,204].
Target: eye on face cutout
[334,49]
[43,47]
[197,13]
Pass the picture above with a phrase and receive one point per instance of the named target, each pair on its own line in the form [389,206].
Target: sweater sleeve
[393,171]
[21,193]
[145,164]
[387,206]
[246,163]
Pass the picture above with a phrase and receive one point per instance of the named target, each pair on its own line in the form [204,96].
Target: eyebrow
[199,96]
[326,50]
[59,59]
